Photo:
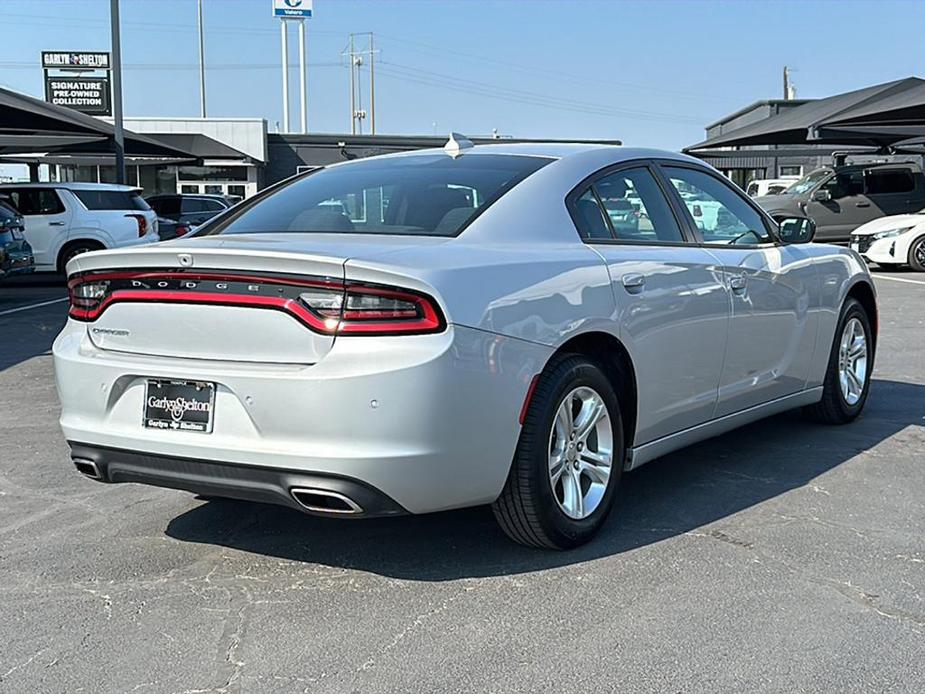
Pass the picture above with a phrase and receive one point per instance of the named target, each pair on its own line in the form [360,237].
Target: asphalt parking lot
[786,556]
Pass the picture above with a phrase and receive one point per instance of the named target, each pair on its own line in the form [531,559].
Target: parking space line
[898,279]
[30,306]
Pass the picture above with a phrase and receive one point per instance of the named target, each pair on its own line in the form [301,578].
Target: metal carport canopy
[28,124]
[871,116]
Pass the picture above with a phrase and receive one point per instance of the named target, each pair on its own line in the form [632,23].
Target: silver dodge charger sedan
[444,328]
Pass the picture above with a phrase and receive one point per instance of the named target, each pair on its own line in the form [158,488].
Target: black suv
[842,198]
[190,209]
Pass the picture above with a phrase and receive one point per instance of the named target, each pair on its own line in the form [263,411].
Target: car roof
[69,185]
[556,150]
[876,165]
[210,196]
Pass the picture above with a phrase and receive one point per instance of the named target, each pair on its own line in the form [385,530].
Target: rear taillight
[325,306]
[142,223]
[362,309]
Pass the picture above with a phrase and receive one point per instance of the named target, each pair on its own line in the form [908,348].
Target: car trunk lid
[231,298]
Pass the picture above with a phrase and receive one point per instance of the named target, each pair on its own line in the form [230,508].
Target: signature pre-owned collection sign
[85,94]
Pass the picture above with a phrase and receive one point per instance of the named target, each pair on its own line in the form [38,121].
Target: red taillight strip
[352,322]
[290,306]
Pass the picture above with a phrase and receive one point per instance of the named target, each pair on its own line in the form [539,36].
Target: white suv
[65,219]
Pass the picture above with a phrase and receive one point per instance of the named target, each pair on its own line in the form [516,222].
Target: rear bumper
[429,421]
[234,481]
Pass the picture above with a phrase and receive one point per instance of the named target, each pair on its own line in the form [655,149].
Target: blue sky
[649,73]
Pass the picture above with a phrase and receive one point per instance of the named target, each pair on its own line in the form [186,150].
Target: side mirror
[822,195]
[796,229]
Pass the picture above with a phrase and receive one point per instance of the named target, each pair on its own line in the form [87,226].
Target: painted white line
[897,279]
[30,306]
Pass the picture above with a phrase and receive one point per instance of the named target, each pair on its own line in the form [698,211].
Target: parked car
[435,354]
[15,252]
[768,186]
[893,241]
[189,209]
[840,199]
[66,219]
[168,229]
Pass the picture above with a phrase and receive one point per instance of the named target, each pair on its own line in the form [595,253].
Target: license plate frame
[173,404]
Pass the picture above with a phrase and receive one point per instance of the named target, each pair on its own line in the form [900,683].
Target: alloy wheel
[580,452]
[852,361]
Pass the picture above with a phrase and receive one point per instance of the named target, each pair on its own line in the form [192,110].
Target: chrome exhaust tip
[325,501]
[87,468]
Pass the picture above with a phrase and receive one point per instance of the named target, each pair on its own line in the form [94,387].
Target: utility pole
[202,67]
[118,135]
[302,85]
[285,41]
[357,58]
[789,89]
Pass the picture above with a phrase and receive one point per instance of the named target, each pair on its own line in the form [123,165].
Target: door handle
[738,284]
[862,204]
[634,282]
[56,224]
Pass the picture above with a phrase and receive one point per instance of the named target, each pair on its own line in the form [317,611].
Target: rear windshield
[431,195]
[111,200]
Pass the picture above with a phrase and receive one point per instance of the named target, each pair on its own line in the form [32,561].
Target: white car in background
[66,219]
[768,186]
[893,241]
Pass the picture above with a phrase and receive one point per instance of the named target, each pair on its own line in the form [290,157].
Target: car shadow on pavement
[30,333]
[677,494]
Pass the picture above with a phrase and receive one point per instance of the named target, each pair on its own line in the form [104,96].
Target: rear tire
[917,254]
[75,248]
[844,395]
[560,488]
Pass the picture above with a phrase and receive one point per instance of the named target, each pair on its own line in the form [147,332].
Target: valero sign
[292,9]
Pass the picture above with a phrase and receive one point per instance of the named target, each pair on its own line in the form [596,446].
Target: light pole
[284,38]
[202,67]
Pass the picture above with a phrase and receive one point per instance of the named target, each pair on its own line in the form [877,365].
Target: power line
[569,76]
[28,65]
[433,79]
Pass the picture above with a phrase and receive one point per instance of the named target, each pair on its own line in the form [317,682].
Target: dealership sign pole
[288,11]
[117,91]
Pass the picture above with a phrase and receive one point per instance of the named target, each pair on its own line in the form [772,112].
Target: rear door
[772,290]
[892,191]
[672,305]
[47,221]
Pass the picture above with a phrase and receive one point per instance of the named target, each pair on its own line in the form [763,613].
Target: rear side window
[111,200]
[889,181]
[36,201]
[166,207]
[427,194]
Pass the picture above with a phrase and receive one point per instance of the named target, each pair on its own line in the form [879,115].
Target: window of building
[791,171]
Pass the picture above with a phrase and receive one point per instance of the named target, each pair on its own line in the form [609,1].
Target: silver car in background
[433,330]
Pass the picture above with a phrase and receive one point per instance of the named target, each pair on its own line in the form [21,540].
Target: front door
[772,329]
[671,303]
[848,208]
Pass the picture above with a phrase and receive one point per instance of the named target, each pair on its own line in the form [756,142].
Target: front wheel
[917,254]
[568,460]
[847,377]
